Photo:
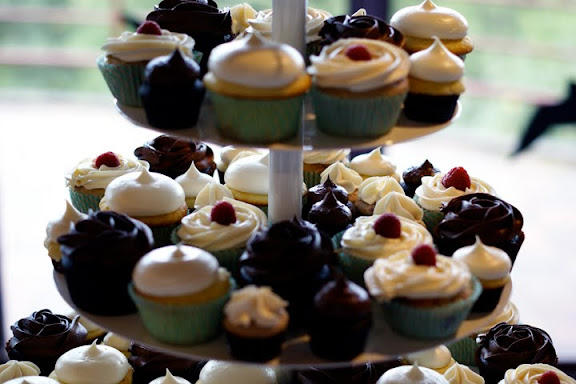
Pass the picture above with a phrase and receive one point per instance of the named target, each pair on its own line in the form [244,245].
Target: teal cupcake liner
[431,218]
[123,80]
[464,350]
[311,178]
[85,202]
[336,239]
[257,121]
[354,267]
[356,117]
[429,323]
[181,324]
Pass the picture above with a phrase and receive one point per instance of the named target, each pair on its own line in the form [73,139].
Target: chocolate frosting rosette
[495,221]
[43,336]
[172,155]
[506,346]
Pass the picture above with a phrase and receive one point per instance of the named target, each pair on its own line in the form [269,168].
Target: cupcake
[100,363]
[222,229]
[192,182]
[496,222]
[330,215]
[168,378]
[257,87]
[340,321]
[255,321]
[118,342]
[217,372]
[240,14]
[536,373]
[423,295]
[437,191]
[57,227]
[412,176]
[152,198]
[229,153]
[420,23]
[376,237]
[292,258]
[435,84]
[316,161]
[372,190]
[125,58]
[172,156]
[400,205]
[438,358]
[507,346]
[42,337]
[359,86]
[343,176]
[180,292]
[318,192]
[172,92]
[374,163]
[88,180]
[13,369]
[211,194]
[32,380]
[491,266]
[103,248]
[411,374]
[149,363]
[462,374]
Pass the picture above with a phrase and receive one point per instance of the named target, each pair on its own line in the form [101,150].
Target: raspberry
[388,225]
[108,159]
[458,178]
[223,213]
[549,377]
[149,28]
[358,52]
[424,254]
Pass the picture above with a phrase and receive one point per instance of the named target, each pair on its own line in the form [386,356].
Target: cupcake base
[430,108]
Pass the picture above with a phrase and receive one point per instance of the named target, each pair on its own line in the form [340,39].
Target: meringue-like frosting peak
[14,368]
[485,262]
[211,194]
[249,174]
[374,163]
[433,358]
[256,62]
[193,181]
[169,379]
[461,374]
[437,64]
[256,306]
[427,20]
[224,372]
[411,374]
[61,226]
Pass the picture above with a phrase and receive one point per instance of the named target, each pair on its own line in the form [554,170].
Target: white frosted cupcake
[240,14]
[168,378]
[374,163]
[411,374]
[316,161]
[32,380]
[373,189]
[192,182]
[462,374]
[343,176]
[211,194]
[438,358]
[116,341]
[220,372]
[533,374]
[400,205]
[229,153]
[14,369]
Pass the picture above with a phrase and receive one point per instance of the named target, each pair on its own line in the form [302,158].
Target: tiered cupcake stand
[285,203]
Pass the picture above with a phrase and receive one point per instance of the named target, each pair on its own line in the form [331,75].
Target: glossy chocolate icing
[317,192]
[43,336]
[412,177]
[330,215]
[172,155]
[361,26]
[506,346]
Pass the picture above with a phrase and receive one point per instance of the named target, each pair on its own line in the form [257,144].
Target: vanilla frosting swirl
[401,205]
[86,175]
[530,373]
[485,262]
[362,241]
[199,230]
[193,181]
[211,194]
[398,277]
[509,315]
[13,369]
[139,194]
[375,188]
[427,20]
[326,156]
[133,47]
[461,374]
[60,226]
[240,14]
[256,306]
[229,153]
[249,174]
[433,358]
[437,64]
[432,194]
[343,176]
[333,69]
[406,374]
[374,163]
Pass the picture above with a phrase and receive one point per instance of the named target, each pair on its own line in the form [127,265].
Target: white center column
[285,196]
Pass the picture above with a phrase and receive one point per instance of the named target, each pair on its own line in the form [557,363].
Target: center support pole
[285,166]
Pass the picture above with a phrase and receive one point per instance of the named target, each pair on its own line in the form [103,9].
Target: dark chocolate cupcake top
[43,336]
[507,346]
[359,26]
[173,70]
[201,19]
[330,215]
[106,238]
[317,192]
[343,299]
[412,177]
[479,214]
[172,155]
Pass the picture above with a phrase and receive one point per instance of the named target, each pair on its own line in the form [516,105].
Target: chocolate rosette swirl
[42,337]
[495,221]
[172,155]
[98,256]
[363,26]
[506,346]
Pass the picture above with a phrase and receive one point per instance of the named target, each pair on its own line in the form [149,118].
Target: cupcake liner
[257,121]
[311,178]
[356,117]
[162,234]
[123,80]
[181,324]
[354,267]
[431,218]
[429,322]
[85,202]
[463,350]
[336,240]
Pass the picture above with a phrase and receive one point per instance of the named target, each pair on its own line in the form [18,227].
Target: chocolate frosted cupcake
[172,156]
[330,215]
[318,192]
[292,258]
[496,222]
[506,346]
[172,92]
[42,337]
[412,177]
[98,256]
[341,320]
